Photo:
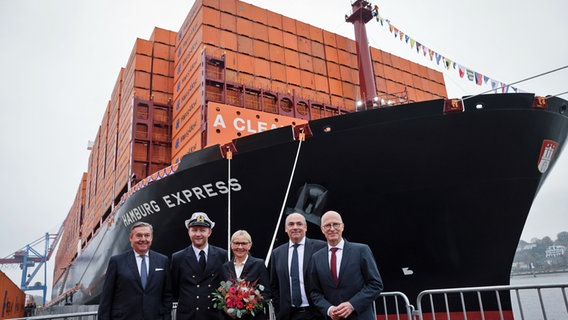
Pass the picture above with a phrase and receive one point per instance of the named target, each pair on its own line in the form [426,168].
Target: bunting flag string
[440,60]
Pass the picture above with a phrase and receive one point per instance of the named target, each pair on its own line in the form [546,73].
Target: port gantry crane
[29,256]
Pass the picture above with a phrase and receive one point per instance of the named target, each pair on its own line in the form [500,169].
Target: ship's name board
[228,122]
[179,198]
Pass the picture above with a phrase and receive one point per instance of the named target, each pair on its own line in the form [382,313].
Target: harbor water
[554,305]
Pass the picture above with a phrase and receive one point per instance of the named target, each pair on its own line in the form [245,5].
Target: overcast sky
[60,59]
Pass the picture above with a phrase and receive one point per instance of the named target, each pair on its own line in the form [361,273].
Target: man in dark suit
[280,267]
[197,271]
[345,280]
[136,283]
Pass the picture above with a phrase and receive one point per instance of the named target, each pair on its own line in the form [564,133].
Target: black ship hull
[441,198]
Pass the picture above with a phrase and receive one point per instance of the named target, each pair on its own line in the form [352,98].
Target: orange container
[316,34]
[288,25]
[163,51]
[277,54]
[317,49]
[262,67]
[164,36]
[304,45]
[229,6]
[347,59]
[245,63]
[319,66]
[293,76]
[274,19]
[163,67]
[189,76]
[337,102]
[276,36]
[192,144]
[260,49]
[161,97]
[190,40]
[303,29]
[228,40]
[244,26]
[307,79]
[321,83]
[187,112]
[329,39]
[348,74]
[228,22]
[378,69]
[262,83]
[188,21]
[244,45]
[335,87]
[333,70]
[387,59]
[292,58]
[306,62]
[186,133]
[350,91]
[259,15]
[260,32]
[290,41]
[162,83]
[211,16]
[278,71]
[331,54]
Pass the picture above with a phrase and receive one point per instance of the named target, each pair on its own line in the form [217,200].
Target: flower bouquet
[239,298]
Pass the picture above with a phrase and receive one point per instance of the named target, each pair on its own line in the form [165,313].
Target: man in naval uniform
[196,272]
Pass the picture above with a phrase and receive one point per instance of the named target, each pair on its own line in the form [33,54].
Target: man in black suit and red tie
[345,280]
[136,282]
[197,271]
[291,303]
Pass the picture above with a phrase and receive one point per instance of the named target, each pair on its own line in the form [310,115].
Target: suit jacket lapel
[191,260]
[133,266]
[345,256]
[308,251]
[151,266]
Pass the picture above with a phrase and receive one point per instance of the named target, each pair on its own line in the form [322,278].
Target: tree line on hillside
[542,255]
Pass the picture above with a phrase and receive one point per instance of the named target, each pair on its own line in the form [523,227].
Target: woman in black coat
[245,267]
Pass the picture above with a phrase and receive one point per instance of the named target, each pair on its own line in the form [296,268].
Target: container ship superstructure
[247,113]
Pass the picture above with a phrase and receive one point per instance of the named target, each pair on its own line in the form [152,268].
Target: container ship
[249,115]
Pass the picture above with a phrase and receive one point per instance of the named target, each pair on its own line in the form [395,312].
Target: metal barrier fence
[543,301]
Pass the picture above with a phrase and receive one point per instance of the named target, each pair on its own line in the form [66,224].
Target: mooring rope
[301,139]
[229,157]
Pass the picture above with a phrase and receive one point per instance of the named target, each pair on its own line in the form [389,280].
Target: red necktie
[334,264]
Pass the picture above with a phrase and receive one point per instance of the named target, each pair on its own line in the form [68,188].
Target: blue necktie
[143,271]
[295,276]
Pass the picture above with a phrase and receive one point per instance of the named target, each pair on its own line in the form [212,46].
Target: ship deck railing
[541,301]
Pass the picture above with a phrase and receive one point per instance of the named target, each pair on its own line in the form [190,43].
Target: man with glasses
[345,280]
[291,297]
[197,271]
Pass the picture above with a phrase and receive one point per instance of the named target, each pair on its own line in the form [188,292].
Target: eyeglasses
[242,244]
[328,226]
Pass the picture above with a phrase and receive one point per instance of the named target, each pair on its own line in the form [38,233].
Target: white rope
[229,208]
[267,260]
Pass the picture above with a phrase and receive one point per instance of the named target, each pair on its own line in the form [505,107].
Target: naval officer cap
[199,219]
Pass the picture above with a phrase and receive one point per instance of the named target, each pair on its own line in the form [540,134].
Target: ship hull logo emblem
[547,152]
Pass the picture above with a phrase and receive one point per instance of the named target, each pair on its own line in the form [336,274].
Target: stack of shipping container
[226,52]
[13,299]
